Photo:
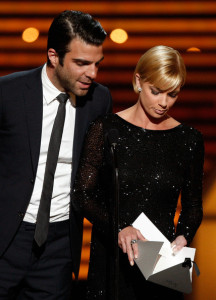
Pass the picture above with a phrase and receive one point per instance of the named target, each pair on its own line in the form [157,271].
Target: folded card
[157,261]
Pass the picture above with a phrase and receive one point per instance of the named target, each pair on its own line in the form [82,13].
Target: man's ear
[53,57]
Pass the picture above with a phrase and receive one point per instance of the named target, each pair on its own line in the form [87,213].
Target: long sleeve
[92,183]
[191,196]
[1,109]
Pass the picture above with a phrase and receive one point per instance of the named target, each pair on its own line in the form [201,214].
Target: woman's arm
[191,197]
[89,199]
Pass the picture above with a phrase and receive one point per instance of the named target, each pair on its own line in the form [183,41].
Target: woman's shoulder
[192,131]
[193,136]
[102,122]
[108,118]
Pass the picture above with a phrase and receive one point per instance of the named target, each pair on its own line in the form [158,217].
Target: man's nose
[92,71]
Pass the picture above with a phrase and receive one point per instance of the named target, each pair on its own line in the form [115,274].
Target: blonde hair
[161,66]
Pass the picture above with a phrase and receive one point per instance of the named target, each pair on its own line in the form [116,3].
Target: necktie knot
[62,98]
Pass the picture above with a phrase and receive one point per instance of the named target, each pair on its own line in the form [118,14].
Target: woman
[158,158]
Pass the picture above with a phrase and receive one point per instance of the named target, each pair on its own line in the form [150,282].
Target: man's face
[80,67]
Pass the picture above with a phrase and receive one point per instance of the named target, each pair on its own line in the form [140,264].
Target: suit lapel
[33,96]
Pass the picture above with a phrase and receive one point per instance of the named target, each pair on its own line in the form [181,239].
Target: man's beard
[71,87]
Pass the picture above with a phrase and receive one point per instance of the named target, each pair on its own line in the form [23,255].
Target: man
[36,230]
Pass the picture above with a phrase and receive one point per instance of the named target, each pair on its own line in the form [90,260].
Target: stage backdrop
[190,27]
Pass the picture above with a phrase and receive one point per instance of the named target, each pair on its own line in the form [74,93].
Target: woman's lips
[160,111]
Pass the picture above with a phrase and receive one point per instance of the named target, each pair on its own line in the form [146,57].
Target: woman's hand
[127,238]
[178,243]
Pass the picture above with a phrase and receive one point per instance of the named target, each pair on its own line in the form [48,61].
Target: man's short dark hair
[71,24]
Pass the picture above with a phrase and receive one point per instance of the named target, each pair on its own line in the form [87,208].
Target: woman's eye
[154,92]
[174,95]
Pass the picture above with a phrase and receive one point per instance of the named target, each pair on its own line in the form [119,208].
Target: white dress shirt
[61,190]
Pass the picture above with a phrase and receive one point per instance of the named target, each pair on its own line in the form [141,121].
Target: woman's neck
[136,115]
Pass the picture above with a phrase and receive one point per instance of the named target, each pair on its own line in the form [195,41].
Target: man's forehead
[78,44]
[80,50]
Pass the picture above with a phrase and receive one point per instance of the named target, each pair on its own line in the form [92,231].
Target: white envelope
[158,263]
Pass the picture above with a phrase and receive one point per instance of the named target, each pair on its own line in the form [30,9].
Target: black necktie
[43,216]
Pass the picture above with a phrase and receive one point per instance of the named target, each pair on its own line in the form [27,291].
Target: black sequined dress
[155,166]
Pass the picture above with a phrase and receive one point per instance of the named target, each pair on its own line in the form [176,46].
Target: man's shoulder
[20,76]
[98,88]
[99,92]
[98,96]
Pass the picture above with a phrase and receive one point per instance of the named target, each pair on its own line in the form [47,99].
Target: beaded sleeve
[191,194]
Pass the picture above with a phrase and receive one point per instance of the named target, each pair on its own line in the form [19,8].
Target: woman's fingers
[128,242]
[130,249]
[135,250]
[140,236]
[178,243]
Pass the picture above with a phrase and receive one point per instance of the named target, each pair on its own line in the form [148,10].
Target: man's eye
[81,63]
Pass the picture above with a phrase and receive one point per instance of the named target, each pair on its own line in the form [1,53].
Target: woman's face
[155,102]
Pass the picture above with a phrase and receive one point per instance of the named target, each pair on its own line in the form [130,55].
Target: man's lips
[85,84]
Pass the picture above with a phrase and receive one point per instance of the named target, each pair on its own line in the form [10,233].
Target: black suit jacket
[21,111]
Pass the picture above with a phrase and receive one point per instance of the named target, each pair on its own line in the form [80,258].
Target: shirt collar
[50,92]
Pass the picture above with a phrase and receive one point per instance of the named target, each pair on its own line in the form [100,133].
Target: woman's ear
[138,80]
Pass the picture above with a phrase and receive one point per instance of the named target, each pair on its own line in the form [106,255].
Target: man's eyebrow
[86,61]
[102,58]
[81,60]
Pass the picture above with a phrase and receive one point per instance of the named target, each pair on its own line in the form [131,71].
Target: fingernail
[136,256]
[131,263]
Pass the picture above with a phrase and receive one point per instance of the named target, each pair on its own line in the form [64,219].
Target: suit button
[20,214]
[32,180]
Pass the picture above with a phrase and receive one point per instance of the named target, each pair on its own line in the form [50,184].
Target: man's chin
[81,93]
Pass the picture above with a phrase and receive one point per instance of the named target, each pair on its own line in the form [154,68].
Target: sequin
[154,167]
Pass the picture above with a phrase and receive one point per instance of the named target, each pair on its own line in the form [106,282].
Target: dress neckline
[148,130]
